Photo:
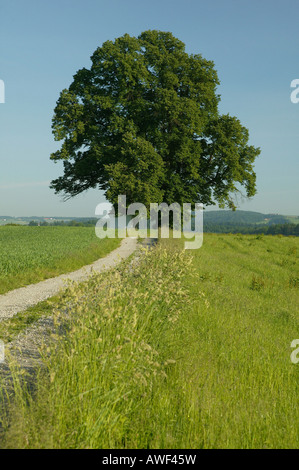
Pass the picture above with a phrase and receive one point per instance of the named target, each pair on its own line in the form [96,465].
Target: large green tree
[143,121]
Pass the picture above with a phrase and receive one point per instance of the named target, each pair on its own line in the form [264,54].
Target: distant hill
[214,221]
[239,217]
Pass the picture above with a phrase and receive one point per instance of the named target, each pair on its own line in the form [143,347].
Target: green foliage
[143,121]
[240,217]
[275,229]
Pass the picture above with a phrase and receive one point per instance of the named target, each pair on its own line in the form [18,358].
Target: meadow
[31,254]
[187,349]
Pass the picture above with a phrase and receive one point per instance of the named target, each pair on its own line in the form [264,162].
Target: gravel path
[19,300]
[25,347]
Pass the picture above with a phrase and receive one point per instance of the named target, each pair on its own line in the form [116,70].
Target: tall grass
[182,350]
[104,376]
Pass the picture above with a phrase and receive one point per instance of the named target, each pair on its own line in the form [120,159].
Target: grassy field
[31,254]
[190,349]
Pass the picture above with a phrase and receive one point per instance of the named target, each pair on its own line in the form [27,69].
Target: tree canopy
[143,121]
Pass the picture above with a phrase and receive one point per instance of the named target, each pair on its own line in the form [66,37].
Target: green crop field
[31,254]
[190,349]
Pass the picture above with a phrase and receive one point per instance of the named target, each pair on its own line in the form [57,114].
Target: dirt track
[26,345]
[19,300]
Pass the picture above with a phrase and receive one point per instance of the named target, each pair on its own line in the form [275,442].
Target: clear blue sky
[253,43]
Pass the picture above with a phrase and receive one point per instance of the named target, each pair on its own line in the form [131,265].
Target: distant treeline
[286,229]
[69,223]
[249,218]
[274,229]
